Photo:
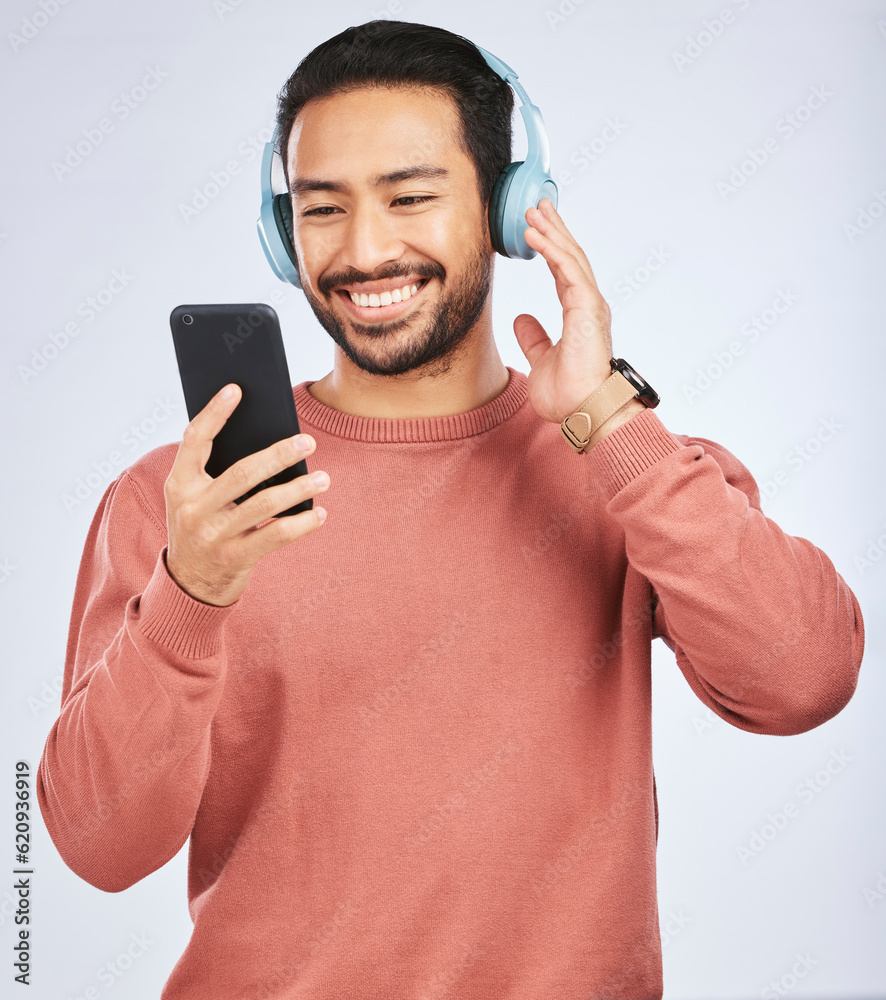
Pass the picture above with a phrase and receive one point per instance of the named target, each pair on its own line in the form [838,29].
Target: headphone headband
[519,187]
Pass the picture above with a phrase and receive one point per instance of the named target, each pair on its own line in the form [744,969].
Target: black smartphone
[218,344]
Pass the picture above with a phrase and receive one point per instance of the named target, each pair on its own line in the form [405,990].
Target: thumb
[531,337]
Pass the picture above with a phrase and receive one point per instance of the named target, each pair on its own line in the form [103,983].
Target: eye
[317,211]
[415,199]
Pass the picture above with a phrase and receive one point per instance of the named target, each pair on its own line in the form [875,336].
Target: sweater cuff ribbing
[171,617]
[629,450]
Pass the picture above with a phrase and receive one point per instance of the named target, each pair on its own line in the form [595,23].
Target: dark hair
[402,53]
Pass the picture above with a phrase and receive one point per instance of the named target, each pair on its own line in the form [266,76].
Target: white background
[731,926]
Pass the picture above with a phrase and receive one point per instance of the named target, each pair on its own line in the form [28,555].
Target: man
[410,741]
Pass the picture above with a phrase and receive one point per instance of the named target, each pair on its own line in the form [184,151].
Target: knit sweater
[414,758]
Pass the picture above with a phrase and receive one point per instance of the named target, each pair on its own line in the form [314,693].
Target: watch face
[645,392]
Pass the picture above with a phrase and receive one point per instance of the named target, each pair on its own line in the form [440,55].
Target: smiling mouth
[384,305]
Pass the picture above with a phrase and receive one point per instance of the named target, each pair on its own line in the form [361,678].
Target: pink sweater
[414,758]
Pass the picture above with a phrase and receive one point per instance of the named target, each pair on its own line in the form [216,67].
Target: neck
[469,378]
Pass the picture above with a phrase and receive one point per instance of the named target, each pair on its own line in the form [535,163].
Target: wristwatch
[623,385]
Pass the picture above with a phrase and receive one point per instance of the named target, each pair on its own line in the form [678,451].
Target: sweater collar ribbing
[411,430]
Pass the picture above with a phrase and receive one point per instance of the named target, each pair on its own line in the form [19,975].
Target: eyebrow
[302,185]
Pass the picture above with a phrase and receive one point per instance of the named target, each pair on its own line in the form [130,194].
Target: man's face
[372,233]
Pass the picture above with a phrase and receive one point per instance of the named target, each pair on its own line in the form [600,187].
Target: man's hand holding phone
[214,544]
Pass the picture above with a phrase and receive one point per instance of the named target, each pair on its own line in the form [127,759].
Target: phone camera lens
[187,319]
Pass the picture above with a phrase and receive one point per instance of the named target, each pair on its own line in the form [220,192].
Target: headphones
[519,187]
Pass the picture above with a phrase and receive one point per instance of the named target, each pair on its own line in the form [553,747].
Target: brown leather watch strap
[612,395]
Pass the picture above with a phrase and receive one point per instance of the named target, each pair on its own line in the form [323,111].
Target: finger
[578,294]
[196,444]
[531,337]
[547,220]
[270,501]
[255,468]
[262,541]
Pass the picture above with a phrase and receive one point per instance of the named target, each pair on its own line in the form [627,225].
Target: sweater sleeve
[765,630]
[124,765]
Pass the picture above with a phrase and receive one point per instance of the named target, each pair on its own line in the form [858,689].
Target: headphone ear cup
[283,218]
[497,204]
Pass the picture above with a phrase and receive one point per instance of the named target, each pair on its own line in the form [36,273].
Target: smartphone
[218,344]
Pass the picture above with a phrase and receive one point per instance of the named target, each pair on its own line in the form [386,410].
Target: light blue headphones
[520,186]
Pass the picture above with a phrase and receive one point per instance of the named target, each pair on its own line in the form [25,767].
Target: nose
[370,239]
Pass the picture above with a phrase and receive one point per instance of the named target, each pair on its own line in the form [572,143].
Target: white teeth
[385,298]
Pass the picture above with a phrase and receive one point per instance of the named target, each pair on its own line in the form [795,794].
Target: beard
[435,343]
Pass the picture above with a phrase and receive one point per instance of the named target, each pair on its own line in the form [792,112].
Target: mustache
[332,281]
